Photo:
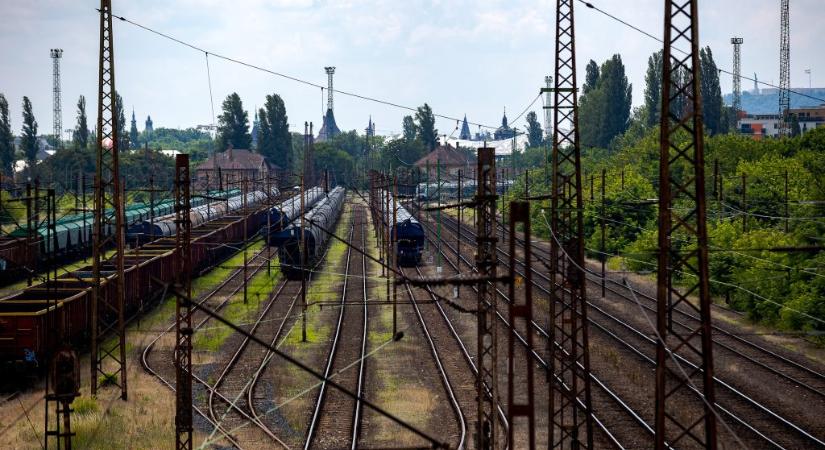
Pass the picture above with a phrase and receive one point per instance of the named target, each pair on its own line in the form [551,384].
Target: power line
[658,39]
[290,77]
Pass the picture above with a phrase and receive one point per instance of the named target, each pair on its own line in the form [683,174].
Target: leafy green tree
[591,77]
[80,136]
[535,135]
[274,139]
[711,92]
[653,89]
[425,126]
[605,108]
[409,128]
[6,137]
[233,124]
[122,136]
[28,140]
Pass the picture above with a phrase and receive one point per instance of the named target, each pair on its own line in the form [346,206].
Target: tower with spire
[255,128]
[329,129]
[465,135]
[133,132]
[504,131]
[148,128]
[370,128]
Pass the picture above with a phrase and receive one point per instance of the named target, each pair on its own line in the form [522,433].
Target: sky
[473,57]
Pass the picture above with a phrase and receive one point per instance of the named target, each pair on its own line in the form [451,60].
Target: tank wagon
[321,217]
[281,215]
[165,226]
[73,236]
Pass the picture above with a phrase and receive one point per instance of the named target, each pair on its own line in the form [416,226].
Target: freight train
[165,225]
[320,218]
[409,234]
[284,213]
[73,233]
[28,319]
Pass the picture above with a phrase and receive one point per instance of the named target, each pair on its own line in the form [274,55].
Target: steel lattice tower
[56,54]
[486,336]
[682,218]
[737,73]
[330,72]
[570,424]
[183,309]
[784,70]
[108,358]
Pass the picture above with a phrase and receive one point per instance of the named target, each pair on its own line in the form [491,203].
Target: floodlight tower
[737,73]
[56,54]
[330,72]
[548,115]
[784,70]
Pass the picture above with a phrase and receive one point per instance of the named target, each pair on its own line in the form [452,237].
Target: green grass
[258,291]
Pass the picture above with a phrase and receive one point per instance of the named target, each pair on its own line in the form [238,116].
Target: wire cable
[657,39]
[290,77]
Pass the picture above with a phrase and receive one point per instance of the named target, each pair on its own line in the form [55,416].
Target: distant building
[235,164]
[329,129]
[465,130]
[148,128]
[451,161]
[761,126]
[504,131]
[255,128]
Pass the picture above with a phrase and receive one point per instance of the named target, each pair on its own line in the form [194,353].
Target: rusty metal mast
[682,216]
[107,312]
[183,309]
[487,345]
[571,421]
[520,405]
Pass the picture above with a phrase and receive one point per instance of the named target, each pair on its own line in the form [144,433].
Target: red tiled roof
[445,155]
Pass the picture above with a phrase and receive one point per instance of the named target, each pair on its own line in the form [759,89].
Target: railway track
[256,390]
[161,364]
[608,397]
[786,369]
[762,422]
[335,419]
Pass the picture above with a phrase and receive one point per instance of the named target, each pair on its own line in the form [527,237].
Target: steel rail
[319,403]
[150,347]
[445,380]
[737,393]
[234,360]
[540,360]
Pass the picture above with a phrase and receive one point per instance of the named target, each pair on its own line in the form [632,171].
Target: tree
[653,89]
[534,132]
[81,131]
[28,139]
[711,92]
[605,108]
[409,128]
[122,136]
[591,77]
[274,139]
[6,137]
[425,127]
[233,124]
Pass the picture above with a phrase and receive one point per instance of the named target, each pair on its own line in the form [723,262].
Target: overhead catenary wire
[658,39]
[291,77]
